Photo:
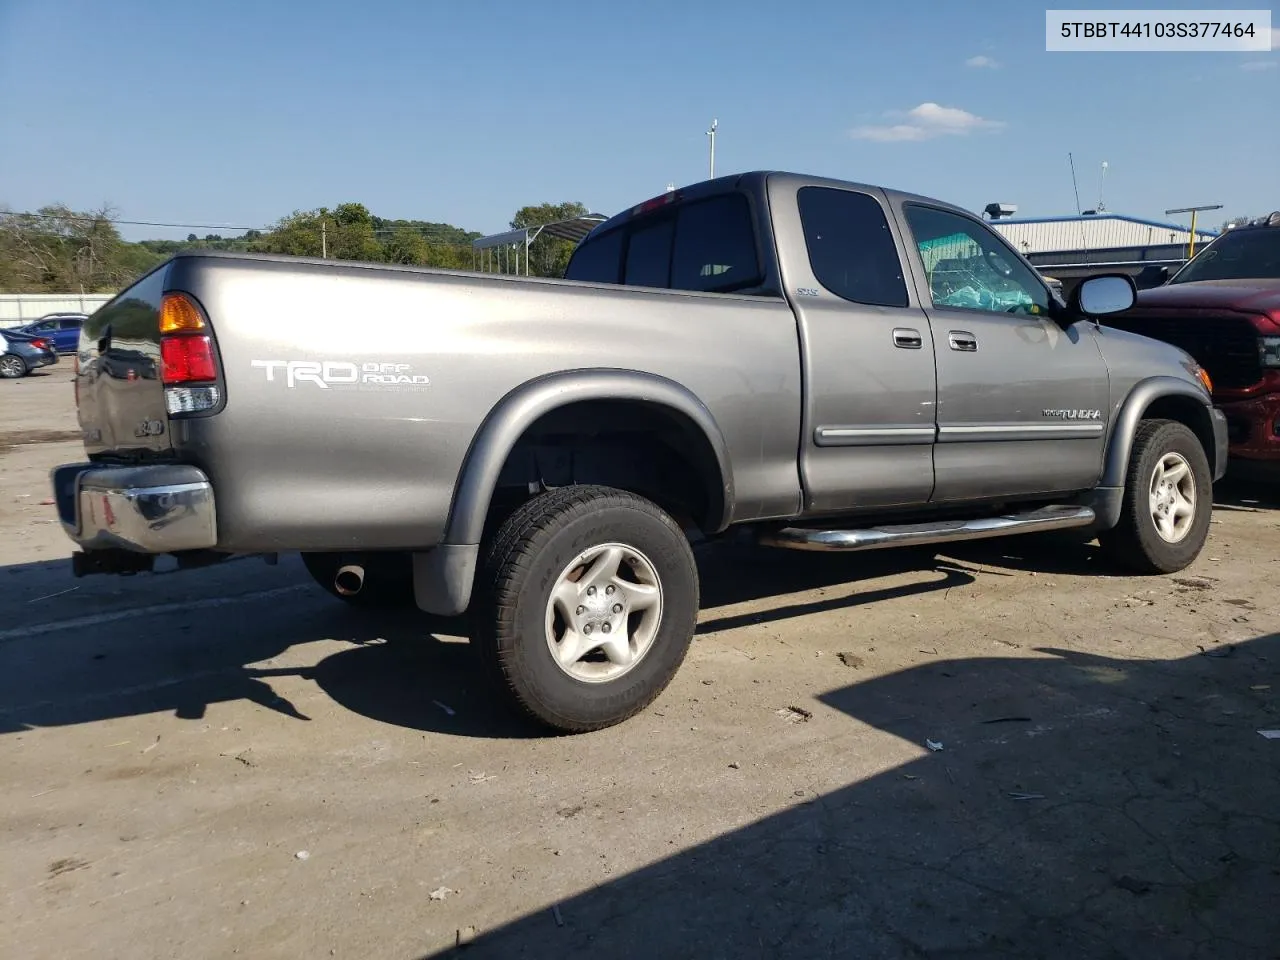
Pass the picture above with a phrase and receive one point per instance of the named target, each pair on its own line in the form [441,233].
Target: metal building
[19,308]
[1103,231]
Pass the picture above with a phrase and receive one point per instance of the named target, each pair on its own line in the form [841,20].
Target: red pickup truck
[1223,308]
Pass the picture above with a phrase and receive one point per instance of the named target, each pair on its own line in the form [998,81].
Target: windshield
[1249,254]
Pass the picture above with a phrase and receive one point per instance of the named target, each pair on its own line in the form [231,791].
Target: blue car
[21,353]
[61,328]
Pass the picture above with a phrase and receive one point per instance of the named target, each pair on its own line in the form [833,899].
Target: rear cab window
[706,245]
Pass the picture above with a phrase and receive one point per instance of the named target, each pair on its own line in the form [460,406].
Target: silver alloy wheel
[604,612]
[1173,497]
[12,366]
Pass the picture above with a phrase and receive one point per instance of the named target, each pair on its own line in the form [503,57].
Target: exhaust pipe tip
[349,580]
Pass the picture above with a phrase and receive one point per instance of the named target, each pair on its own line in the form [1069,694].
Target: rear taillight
[40,344]
[188,360]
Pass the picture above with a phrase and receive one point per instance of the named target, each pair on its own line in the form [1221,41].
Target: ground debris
[555,912]
[794,714]
[302,855]
[933,745]
[466,936]
[449,711]
[1219,653]
[439,893]
[851,659]
[1270,734]
[481,777]
[1026,796]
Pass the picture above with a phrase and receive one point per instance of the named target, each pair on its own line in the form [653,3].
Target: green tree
[406,245]
[61,250]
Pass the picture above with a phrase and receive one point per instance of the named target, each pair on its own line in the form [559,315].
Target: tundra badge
[1072,414]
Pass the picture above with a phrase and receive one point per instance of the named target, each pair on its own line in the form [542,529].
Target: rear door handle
[962,340]
[907,339]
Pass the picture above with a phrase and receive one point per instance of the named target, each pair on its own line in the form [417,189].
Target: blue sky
[238,113]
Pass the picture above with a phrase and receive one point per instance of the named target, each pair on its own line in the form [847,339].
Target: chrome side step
[946,531]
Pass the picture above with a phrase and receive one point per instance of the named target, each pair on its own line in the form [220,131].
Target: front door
[1022,403]
[866,348]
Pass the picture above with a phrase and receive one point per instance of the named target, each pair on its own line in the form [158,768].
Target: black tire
[388,578]
[521,566]
[12,366]
[1135,542]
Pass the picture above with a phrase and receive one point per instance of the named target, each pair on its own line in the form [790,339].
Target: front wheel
[586,605]
[12,366]
[1168,501]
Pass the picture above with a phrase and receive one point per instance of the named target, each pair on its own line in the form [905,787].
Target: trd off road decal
[326,374]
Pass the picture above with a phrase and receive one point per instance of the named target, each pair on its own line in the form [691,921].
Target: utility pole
[324,240]
[712,134]
[1191,248]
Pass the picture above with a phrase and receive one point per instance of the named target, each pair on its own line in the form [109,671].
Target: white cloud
[1255,65]
[982,61]
[925,122]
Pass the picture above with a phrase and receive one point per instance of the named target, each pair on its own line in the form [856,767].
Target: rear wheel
[12,366]
[585,606]
[1168,501]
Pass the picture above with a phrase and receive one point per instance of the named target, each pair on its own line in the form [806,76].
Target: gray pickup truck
[828,365]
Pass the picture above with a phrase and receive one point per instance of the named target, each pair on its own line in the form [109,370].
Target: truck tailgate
[119,392]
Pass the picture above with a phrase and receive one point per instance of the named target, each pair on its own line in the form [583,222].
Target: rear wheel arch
[521,412]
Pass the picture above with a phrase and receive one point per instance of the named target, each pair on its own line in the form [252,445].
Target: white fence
[19,308]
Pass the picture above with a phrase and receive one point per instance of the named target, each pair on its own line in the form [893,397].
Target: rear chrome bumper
[162,508]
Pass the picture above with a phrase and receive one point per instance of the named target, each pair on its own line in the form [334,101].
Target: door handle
[962,340]
[907,339]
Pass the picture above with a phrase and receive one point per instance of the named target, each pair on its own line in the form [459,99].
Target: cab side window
[851,250]
[970,268]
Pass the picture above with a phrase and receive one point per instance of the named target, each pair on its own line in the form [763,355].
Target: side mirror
[1153,276]
[1098,296]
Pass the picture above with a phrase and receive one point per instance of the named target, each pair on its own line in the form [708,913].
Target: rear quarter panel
[301,466]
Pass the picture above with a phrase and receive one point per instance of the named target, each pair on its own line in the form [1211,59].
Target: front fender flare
[520,408]
[1146,392]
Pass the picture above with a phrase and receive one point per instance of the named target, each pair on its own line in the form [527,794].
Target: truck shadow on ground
[401,667]
[1081,807]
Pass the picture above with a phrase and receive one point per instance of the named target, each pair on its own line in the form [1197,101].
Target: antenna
[1074,185]
[1102,183]
[1084,238]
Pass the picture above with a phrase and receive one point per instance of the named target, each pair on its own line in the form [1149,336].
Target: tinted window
[70,323]
[850,248]
[597,259]
[44,326]
[649,255]
[1252,253]
[715,246]
[970,268]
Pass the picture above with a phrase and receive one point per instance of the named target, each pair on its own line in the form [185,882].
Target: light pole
[712,134]
[1191,249]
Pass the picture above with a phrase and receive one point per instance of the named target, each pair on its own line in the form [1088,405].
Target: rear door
[867,350]
[1022,403]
